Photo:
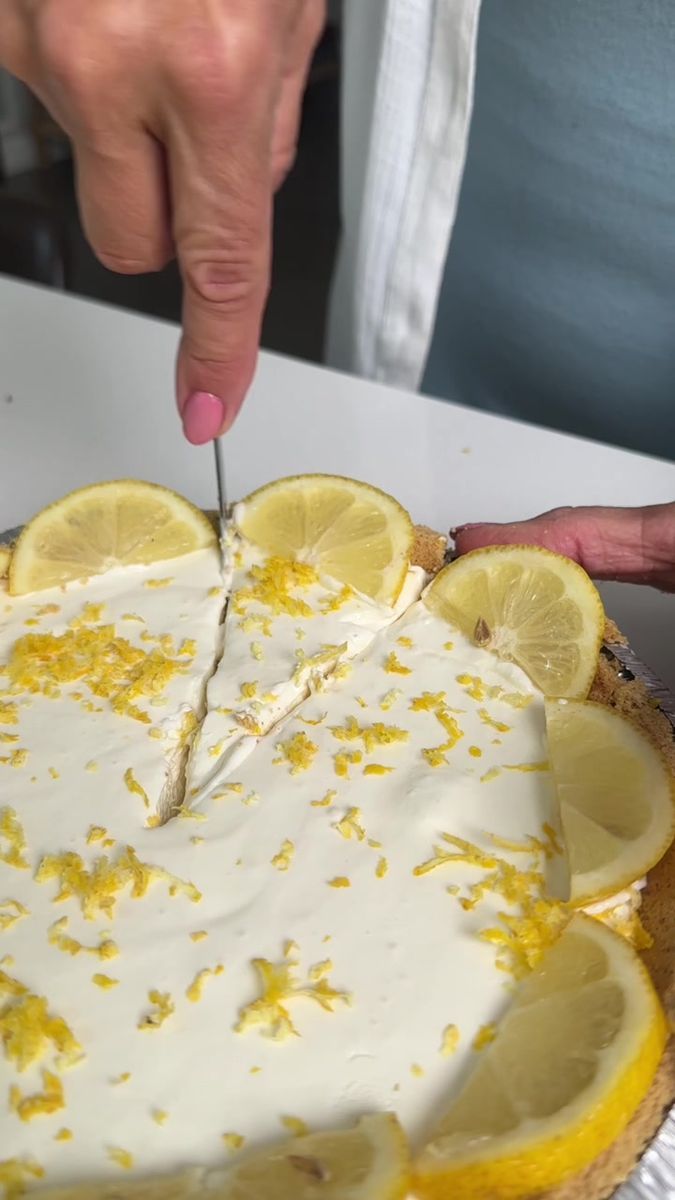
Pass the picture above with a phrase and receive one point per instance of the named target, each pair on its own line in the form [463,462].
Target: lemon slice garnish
[347,530]
[573,1057]
[106,525]
[530,606]
[369,1162]
[615,794]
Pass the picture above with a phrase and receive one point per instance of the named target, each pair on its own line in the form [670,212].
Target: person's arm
[184,117]
[635,545]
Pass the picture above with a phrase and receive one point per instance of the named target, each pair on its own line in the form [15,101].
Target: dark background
[41,238]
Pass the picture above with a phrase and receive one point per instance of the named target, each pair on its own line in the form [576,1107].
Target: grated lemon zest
[344,759]
[335,603]
[56,936]
[298,751]
[15,1173]
[9,712]
[325,656]
[389,699]
[283,859]
[63,1135]
[40,1104]
[279,988]
[11,911]
[377,734]
[484,1037]
[340,881]
[105,982]
[427,702]
[350,825]
[16,759]
[326,800]
[109,665]
[493,724]
[122,1158]
[393,666]
[271,586]
[97,889]
[12,832]
[295,1125]
[233,1141]
[449,1040]
[377,769]
[28,1031]
[163,1007]
[381,868]
[493,773]
[196,989]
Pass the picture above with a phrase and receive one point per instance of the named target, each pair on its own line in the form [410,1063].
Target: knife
[222,491]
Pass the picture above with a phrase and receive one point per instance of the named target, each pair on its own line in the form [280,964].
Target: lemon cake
[320,874]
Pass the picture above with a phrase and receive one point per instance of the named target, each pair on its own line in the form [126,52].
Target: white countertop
[86,393]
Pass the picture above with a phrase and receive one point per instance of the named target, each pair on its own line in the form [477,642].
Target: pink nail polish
[203,417]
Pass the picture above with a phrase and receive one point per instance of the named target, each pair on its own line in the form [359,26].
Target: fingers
[123,203]
[635,545]
[219,156]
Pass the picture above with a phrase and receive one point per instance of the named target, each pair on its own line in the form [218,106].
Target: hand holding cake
[633,545]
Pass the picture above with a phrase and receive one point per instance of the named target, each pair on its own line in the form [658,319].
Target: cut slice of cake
[301,605]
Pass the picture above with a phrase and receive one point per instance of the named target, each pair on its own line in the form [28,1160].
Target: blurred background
[41,238]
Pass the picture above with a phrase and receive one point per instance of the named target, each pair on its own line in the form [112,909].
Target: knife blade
[221,487]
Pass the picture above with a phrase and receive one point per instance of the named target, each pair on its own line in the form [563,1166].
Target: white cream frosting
[280,658]
[400,945]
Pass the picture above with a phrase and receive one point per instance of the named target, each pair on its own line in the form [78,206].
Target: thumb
[634,545]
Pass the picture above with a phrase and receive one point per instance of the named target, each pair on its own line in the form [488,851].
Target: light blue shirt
[558,298]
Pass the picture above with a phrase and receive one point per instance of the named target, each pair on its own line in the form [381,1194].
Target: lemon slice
[573,1058]
[106,525]
[530,606]
[347,530]
[369,1162]
[615,794]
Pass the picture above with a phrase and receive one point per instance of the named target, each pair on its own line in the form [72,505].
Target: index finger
[221,188]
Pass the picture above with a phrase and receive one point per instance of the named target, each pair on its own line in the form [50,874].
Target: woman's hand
[184,118]
[635,545]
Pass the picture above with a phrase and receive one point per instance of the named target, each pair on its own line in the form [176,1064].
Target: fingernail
[462,528]
[203,417]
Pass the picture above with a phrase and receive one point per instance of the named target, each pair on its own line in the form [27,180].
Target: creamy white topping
[282,638]
[301,846]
